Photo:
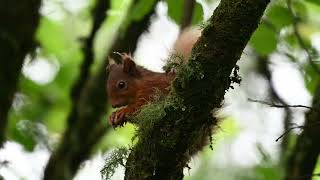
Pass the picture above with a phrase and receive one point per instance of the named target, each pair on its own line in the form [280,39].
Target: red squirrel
[132,85]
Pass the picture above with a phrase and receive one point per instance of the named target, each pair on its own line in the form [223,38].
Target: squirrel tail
[187,38]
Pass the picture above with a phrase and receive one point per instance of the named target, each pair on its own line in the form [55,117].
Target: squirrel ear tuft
[111,62]
[129,66]
[119,58]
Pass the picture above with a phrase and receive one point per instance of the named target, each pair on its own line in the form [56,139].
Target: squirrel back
[132,85]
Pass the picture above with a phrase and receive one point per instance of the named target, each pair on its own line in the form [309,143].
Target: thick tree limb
[19,21]
[304,157]
[164,145]
[86,131]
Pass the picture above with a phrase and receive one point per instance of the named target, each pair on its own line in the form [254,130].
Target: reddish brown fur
[140,84]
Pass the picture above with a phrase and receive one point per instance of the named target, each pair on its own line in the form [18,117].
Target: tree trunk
[18,23]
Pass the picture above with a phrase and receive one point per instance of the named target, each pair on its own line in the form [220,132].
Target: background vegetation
[60,108]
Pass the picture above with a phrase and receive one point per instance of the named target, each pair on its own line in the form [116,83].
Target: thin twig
[288,131]
[299,38]
[297,127]
[278,105]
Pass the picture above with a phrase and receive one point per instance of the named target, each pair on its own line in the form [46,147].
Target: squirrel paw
[117,118]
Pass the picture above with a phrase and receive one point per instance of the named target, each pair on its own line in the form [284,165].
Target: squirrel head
[122,81]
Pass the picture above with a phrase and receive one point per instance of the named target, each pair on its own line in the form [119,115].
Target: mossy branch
[169,138]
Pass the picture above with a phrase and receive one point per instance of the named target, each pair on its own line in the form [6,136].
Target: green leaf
[317,2]
[56,40]
[317,169]
[268,172]
[291,40]
[300,9]
[142,8]
[176,8]
[311,78]
[279,16]
[197,14]
[49,35]
[264,40]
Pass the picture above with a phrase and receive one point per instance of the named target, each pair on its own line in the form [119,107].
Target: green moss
[117,157]
[154,112]
[146,117]
[173,62]
[204,24]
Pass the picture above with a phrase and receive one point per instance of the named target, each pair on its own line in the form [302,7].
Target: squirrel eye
[121,85]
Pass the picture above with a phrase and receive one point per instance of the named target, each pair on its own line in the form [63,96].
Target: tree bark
[167,141]
[18,23]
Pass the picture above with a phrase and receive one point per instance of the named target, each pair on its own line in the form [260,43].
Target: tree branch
[296,127]
[179,124]
[307,149]
[188,9]
[99,15]
[19,21]
[88,105]
[280,105]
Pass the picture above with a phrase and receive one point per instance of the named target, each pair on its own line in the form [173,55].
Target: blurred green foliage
[60,41]
[276,35]
[47,105]
[317,170]
[175,11]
